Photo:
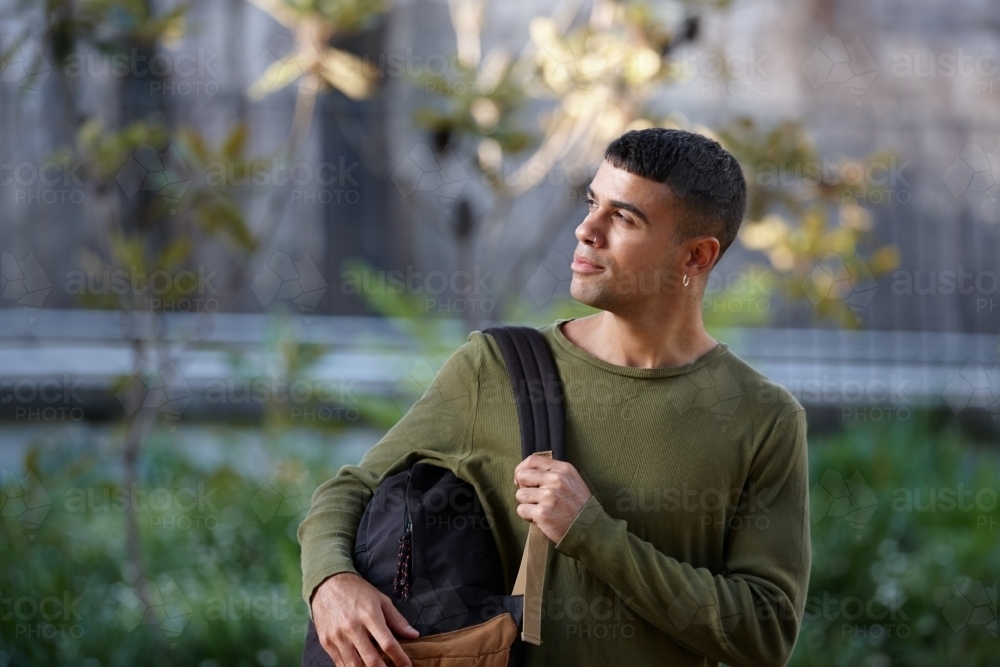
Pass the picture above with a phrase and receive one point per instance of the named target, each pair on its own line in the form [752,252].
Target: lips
[583,264]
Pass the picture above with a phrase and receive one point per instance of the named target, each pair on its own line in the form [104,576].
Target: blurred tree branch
[593,77]
[173,205]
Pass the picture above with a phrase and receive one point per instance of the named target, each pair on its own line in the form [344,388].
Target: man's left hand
[551,494]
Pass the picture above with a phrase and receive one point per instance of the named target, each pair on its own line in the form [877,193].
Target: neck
[673,335]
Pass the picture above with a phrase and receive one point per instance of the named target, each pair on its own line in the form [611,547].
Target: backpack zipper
[404,559]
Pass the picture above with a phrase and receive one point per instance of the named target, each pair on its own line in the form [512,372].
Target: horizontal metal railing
[91,349]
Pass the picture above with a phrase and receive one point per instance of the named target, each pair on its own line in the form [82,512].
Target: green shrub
[892,569]
[918,525]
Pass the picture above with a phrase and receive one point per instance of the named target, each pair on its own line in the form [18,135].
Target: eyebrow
[625,206]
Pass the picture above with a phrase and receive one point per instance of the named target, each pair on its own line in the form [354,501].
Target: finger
[395,620]
[366,651]
[384,637]
[528,512]
[532,477]
[524,476]
[332,651]
[530,495]
[540,462]
[348,657]
[390,646]
[529,463]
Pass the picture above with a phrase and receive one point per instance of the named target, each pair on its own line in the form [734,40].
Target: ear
[702,253]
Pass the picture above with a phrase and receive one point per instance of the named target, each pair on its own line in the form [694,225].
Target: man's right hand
[346,610]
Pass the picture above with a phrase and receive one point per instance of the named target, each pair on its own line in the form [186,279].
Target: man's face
[629,235]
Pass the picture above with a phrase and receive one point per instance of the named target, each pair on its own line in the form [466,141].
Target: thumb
[396,621]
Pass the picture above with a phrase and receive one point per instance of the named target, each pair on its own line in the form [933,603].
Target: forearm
[739,619]
[748,614]
[434,427]
[328,532]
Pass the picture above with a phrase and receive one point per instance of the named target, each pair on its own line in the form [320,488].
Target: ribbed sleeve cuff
[574,540]
[320,573]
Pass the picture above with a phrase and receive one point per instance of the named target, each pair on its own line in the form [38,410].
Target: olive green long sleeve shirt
[694,548]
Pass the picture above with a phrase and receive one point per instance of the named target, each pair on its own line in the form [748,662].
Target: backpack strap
[530,581]
[537,388]
[541,415]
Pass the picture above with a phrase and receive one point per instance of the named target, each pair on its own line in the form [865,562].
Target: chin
[595,296]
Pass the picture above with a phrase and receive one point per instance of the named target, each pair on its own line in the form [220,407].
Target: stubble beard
[603,292]
[594,290]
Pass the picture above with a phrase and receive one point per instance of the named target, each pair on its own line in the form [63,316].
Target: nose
[589,231]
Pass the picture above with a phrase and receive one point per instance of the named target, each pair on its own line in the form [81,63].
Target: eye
[623,218]
[591,203]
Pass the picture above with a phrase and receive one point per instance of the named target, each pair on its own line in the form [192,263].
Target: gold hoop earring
[686,281]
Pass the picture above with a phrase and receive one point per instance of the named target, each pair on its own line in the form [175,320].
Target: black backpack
[425,541]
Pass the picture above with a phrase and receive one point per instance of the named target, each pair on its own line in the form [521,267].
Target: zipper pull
[404,559]
[401,582]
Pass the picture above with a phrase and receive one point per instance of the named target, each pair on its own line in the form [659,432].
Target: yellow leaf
[279,74]
[347,73]
[764,234]
[781,258]
[885,259]
[485,112]
[543,31]
[174,254]
[642,65]
[233,147]
[856,217]
[196,143]
[840,241]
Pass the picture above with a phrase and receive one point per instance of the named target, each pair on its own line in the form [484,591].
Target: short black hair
[704,176]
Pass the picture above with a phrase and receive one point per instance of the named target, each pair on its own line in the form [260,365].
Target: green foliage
[342,15]
[225,559]
[475,103]
[215,201]
[392,299]
[805,215]
[219,551]
[523,314]
[111,26]
[883,590]
[169,225]
[103,152]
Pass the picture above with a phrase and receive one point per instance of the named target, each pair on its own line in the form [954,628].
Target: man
[679,519]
